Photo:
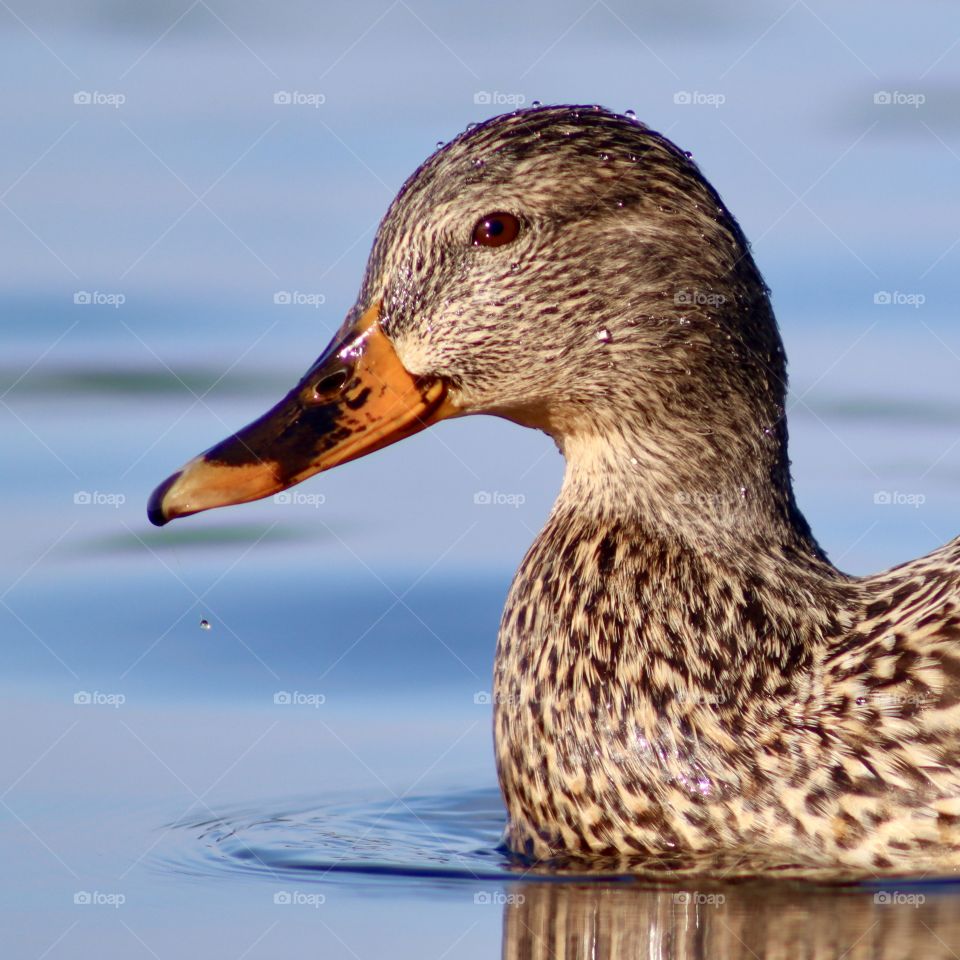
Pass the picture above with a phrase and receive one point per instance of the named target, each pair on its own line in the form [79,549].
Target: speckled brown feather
[679,668]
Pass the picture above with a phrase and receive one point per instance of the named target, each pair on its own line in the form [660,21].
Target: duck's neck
[653,626]
[673,579]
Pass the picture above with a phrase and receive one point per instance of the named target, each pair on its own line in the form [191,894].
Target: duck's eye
[495,229]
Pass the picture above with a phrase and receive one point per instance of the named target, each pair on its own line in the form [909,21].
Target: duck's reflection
[560,921]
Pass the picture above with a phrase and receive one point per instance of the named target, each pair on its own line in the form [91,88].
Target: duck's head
[564,267]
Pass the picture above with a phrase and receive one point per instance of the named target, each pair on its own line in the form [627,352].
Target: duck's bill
[355,399]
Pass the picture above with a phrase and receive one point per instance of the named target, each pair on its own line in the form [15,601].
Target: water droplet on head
[471,126]
[439,144]
[479,163]
[604,156]
[630,114]
[536,103]
[204,624]
[603,335]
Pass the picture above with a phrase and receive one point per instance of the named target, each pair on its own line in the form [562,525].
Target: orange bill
[355,399]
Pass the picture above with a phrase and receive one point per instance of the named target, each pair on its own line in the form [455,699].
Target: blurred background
[188,194]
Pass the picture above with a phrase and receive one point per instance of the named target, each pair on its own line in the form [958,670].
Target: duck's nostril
[330,384]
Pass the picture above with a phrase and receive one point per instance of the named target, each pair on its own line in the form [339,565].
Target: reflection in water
[664,910]
[562,921]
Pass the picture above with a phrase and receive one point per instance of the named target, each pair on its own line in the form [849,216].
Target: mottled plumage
[680,670]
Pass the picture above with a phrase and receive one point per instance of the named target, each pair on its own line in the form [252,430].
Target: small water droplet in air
[204,624]
[603,335]
[630,114]
[536,103]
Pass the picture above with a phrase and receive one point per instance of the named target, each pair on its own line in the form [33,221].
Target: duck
[680,671]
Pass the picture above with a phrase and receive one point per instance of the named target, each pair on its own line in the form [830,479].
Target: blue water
[314,772]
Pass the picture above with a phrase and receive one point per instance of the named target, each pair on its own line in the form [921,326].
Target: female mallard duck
[679,669]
